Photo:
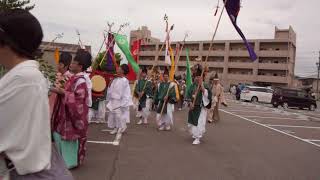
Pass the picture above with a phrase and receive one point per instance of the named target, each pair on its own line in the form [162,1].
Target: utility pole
[318,66]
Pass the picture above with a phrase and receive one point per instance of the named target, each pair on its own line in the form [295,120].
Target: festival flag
[123,44]
[176,89]
[177,49]
[167,59]
[56,56]
[167,55]
[110,66]
[188,74]
[233,8]
[172,69]
[135,48]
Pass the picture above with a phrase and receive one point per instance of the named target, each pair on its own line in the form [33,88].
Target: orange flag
[172,70]
[57,56]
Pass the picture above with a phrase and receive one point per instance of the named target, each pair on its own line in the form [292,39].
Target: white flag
[167,59]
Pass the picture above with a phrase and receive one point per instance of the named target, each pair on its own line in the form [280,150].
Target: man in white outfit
[119,100]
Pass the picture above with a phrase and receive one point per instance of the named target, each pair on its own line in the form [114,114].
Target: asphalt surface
[250,142]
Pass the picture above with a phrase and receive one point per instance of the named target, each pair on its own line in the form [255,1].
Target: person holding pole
[143,90]
[199,103]
[218,97]
[165,98]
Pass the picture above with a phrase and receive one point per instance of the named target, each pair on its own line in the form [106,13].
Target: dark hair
[125,69]
[144,70]
[83,57]
[166,71]
[20,31]
[65,59]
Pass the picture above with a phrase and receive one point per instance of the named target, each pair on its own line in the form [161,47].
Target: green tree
[97,65]
[97,62]
[16,4]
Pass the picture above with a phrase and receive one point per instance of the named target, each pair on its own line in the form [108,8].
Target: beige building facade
[144,34]
[48,50]
[230,58]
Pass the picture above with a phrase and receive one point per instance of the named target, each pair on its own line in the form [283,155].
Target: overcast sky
[257,19]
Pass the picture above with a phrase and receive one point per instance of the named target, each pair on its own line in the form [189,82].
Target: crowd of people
[202,99]
[41,137]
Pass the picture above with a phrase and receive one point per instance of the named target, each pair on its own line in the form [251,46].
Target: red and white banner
[135,49]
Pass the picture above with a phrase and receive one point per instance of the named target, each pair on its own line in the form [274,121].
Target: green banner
[123,44]
[188,74]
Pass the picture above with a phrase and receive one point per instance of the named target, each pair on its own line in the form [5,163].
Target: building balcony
[240,77]
[243,65]
[146,62]
[272,79]
[238,53]
[273,66]
[213,53]
[215,64]
[146,59]
[147,53]
[265,53]
[182,63]
[191,53]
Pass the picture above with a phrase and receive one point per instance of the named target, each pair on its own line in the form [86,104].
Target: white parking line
[115,142]
[100,142]
[260,117]
[310,117]
[307,127]
[106,130]
[274,129]
[313,140]
[252,111]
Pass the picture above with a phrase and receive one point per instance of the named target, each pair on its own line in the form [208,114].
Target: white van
[256,94]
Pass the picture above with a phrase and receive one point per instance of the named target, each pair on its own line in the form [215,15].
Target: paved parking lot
[252,141]
[303,125]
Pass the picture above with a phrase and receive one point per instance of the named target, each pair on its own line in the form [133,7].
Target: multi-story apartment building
[230,59]
[48,50]
[143,34]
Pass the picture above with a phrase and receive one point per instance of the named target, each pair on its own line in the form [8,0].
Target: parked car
[286,98]
[256,94]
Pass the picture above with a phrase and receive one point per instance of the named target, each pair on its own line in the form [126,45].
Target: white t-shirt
[119,94]
[25,135]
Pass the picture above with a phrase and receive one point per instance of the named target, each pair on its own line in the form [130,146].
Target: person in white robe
[200,97]
[119,100]
[25,134]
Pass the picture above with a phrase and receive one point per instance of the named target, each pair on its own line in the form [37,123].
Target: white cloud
[256,19]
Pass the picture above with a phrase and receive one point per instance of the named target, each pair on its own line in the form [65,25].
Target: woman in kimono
[71,118]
